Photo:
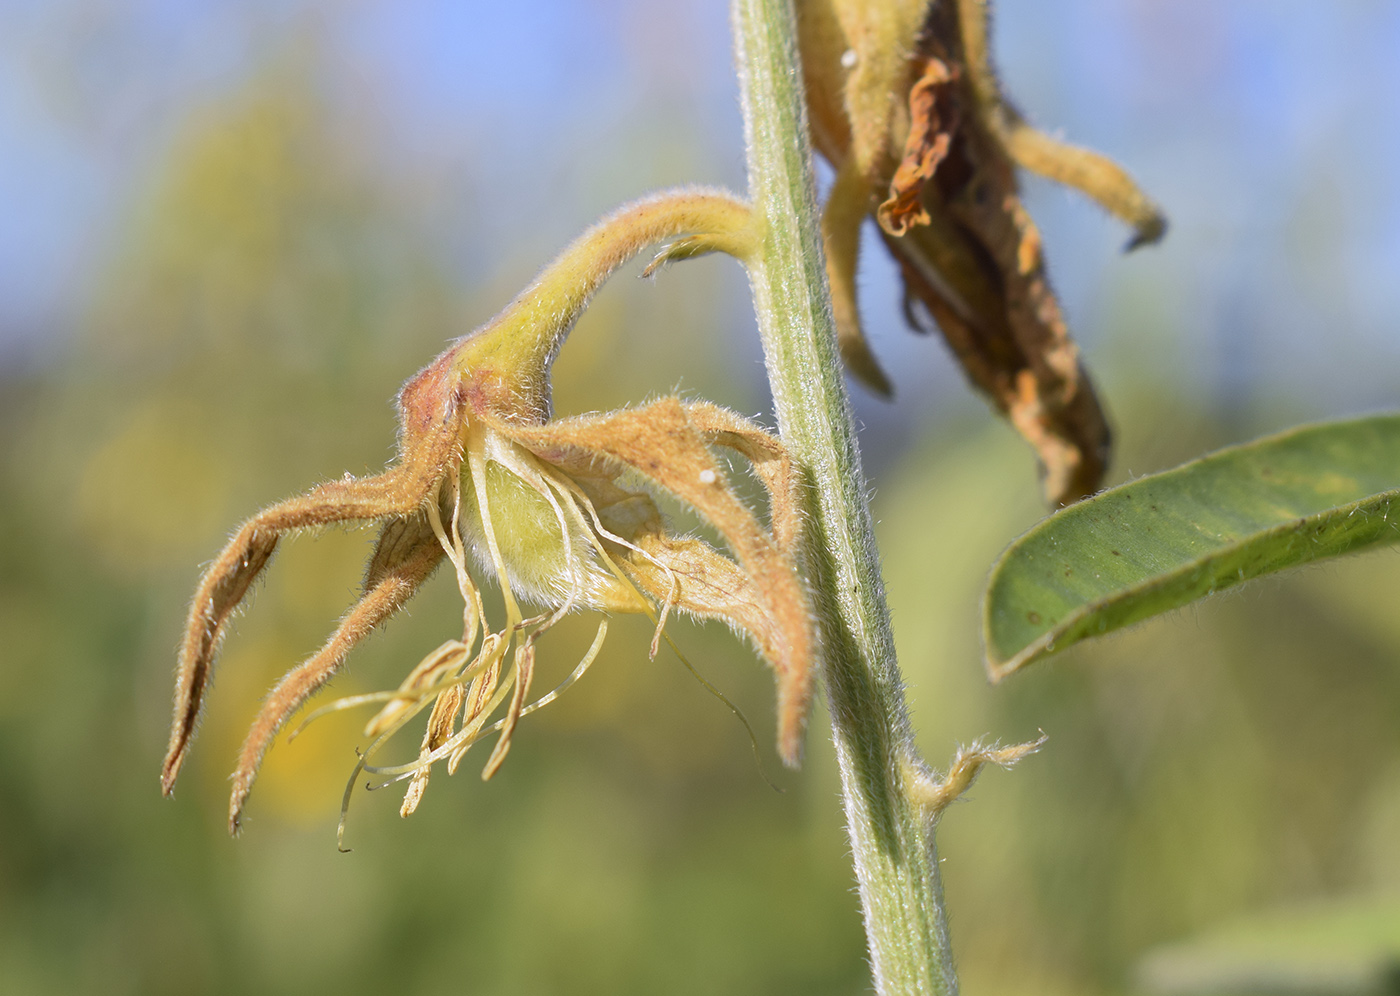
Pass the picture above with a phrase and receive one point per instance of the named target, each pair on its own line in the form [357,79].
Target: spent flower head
[905,105]
[555,511]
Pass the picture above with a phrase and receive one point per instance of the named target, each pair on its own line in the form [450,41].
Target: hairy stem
[896,862]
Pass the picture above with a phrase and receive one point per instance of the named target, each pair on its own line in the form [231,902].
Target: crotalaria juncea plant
[549,509]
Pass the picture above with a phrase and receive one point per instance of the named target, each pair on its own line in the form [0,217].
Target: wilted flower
[904,104]
[549,508]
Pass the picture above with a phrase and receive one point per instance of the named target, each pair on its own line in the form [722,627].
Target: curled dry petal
[933,110]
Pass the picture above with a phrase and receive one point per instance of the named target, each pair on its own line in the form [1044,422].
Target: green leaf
[1166,540]
[1349,947]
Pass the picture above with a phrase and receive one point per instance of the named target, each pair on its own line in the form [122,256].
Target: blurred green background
[229,231]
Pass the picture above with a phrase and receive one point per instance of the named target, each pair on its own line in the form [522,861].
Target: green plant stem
[895,858]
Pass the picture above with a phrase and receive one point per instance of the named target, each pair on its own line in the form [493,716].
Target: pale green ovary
[541,566]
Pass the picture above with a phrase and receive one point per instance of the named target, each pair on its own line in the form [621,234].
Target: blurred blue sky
[1270,130]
